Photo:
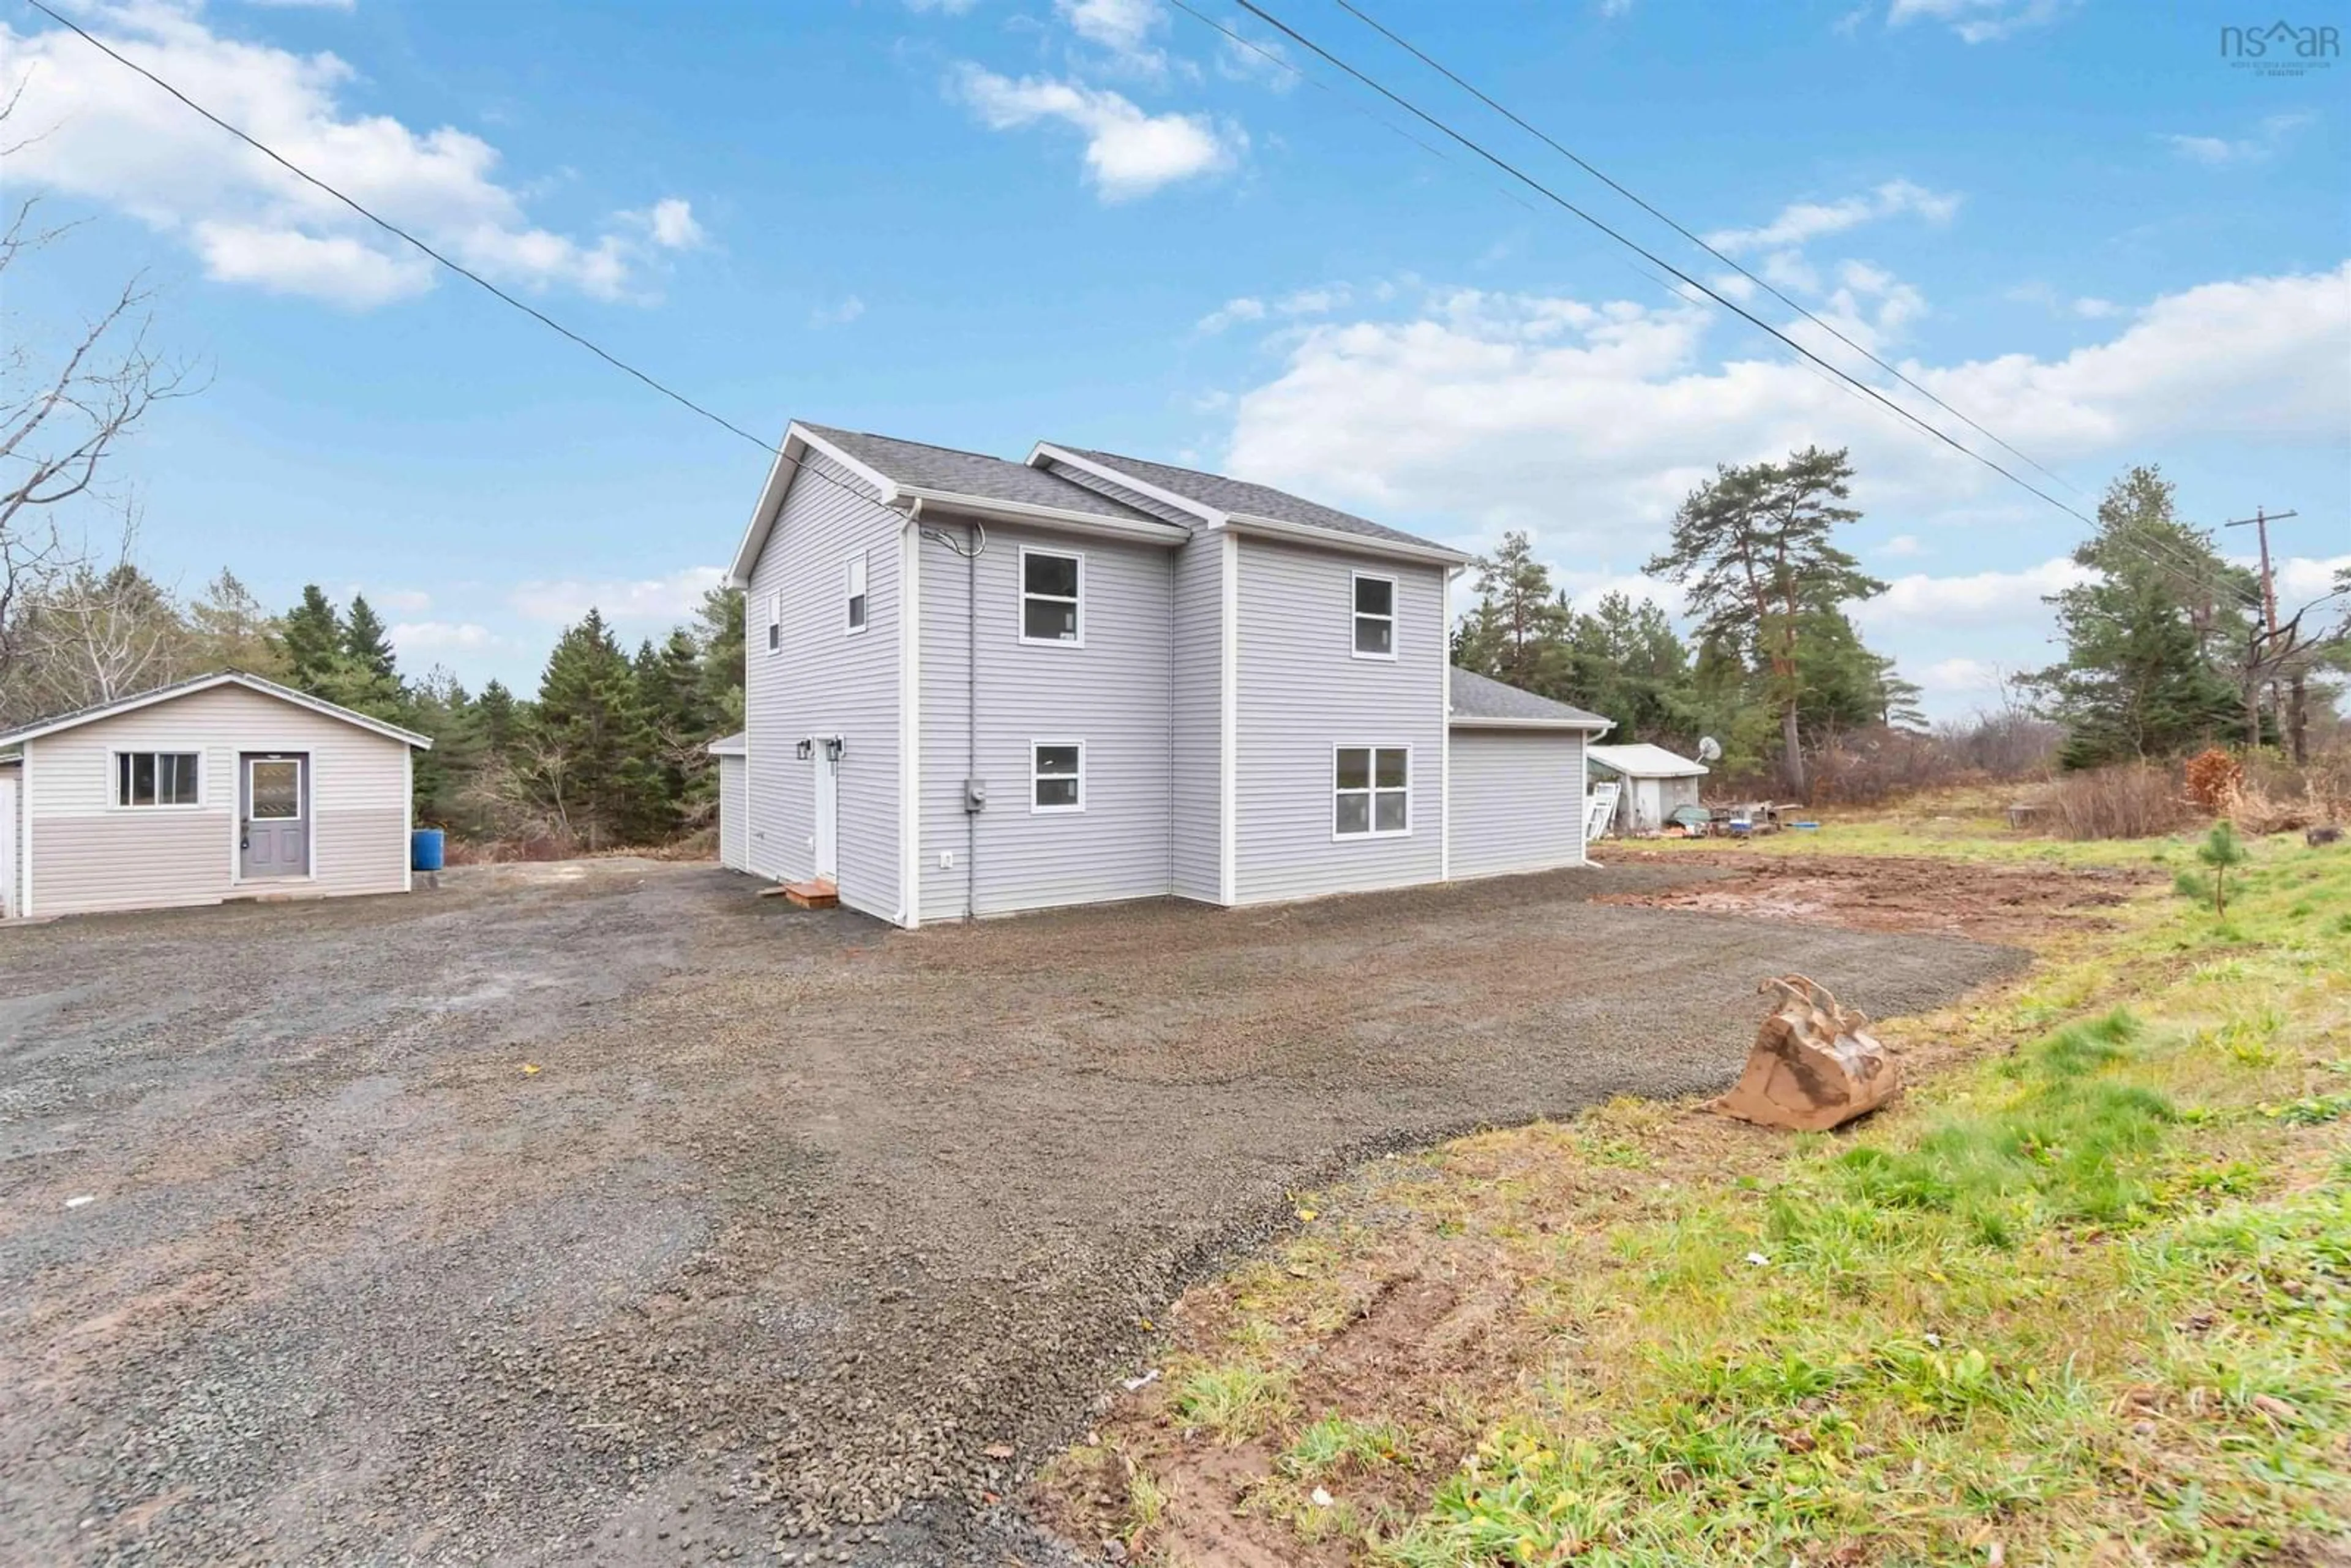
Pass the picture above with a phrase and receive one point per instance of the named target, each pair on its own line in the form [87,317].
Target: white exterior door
[826,759]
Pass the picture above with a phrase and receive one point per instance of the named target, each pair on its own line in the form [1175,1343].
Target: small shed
[1656,783]
[225,786]
[734,802]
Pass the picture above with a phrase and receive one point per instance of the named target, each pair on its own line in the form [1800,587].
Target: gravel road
[605,1212]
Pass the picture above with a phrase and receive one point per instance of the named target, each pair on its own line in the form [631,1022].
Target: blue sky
[984,222]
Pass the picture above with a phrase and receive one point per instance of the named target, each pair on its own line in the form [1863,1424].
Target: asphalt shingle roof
[1257,500]
[1482,696]
[972,474]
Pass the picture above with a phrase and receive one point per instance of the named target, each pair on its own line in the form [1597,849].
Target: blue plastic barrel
[424,850]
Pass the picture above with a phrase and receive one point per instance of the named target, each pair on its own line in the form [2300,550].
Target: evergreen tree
[364,639]
[315,640]
[2145,636]
[1626,664]
[229,630]
[497,714]
[437,707]
[1751,549]
[1516,633]
[588,748]
[719,631]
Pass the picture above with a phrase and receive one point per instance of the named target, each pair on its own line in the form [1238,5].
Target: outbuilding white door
[826,759]
[8,831]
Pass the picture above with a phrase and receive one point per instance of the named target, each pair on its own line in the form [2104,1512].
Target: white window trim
[1020,610]
[1036,811]
[775,622]
[114,753]
[301,787]
[1371,793]
[1356,615]
[851,570]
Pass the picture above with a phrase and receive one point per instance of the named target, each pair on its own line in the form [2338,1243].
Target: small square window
[857,591]
[1374,616]
[1052,594]
[1057,776]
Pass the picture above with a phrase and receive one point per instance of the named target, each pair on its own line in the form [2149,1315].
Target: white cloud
[1128,154]
[1613,7]
[2221,152]
[1122,28]
[940,7]
[112,138]
[1902,546]
[1977,598]
[1488,411]
[1978,21]
[1800,221]
[660,600]
[2091,309]
[1316,301]
[840,315]
[1262,61]
[671,223]
[304,5]
[1961,676]
[410,638]
[1231,313]
[2301,578]
[401,601]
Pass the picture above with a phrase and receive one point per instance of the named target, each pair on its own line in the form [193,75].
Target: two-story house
[975,685]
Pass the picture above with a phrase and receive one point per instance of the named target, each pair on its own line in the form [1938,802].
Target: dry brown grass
[2130,800]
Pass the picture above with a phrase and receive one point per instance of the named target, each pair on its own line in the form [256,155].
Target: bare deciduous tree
[60,420]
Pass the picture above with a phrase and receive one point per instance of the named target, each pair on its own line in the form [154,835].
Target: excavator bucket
[1814,1065]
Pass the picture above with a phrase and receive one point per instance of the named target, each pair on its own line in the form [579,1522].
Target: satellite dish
[1708,749]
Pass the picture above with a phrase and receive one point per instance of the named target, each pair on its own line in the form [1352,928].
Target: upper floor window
[1053,596]
[155,779]
[776,621]
[1371,789]
[1374,616]
[856,590]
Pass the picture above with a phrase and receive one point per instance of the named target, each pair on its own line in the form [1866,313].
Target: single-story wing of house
[225,786]
[1656,783]
[734,827]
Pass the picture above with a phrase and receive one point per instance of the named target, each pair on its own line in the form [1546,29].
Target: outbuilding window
[1371,791]
[155,779]
[1052,595]
[1057,776]
[856,590]
[1374,616]
[776,621]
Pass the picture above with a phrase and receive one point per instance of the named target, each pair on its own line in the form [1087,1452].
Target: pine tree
[718,630]
[2145,636]
[315,640]
[365,641]
[498,714]
[1751,549]
[229,630]
[588,748]
[1517,633]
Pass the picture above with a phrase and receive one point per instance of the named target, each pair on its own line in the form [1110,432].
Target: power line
[1635,246]
[465,272]
[1573,157]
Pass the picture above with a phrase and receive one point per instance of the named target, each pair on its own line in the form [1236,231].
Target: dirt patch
[606,1211]
[1990,901]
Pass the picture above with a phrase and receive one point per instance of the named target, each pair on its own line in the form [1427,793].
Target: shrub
[2214,779]
[2128,801]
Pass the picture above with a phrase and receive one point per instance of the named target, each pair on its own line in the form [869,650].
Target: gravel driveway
[605,1211]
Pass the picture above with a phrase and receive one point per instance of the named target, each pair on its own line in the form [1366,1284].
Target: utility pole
[2260,523]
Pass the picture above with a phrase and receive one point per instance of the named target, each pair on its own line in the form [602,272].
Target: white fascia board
[1045,452]
[1334,538]
[205,684]
[1587,726]
[797,444]
[995,510]
[910,722]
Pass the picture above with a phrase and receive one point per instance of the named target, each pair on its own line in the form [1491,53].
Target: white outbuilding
[1655,783]
[227,786]
[734,802]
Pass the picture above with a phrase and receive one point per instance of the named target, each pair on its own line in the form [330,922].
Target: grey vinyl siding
[1111,695]
[1148,505]
[825,681]
[1517,801]
[1197,721]
[1301,692]
[732,833]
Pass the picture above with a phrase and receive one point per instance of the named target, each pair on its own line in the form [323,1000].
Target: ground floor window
[1057,776]
[1370,788]
[155,779]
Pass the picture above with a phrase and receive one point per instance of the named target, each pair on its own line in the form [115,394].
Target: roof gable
[204,683]
[1241,498]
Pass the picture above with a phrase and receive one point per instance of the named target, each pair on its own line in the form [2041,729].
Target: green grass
[2085,1296]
